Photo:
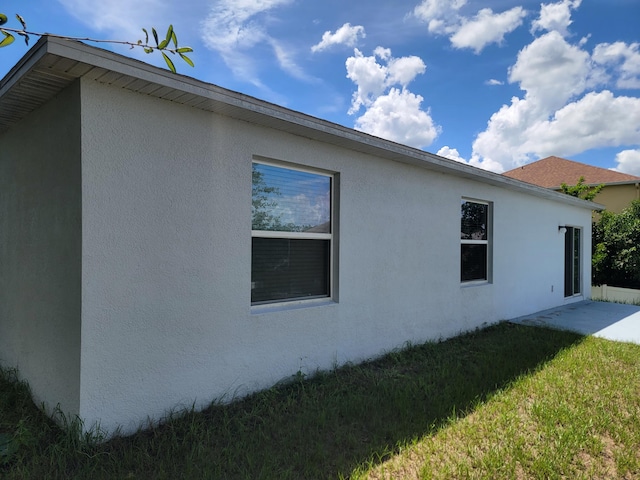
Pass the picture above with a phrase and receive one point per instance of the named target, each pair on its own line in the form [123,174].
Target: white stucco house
[166,242]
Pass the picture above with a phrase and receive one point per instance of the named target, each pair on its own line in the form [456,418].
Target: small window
[291,247]
[474,241]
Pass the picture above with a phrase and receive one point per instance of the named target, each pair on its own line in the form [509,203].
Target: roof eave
[58,63]
[606,184]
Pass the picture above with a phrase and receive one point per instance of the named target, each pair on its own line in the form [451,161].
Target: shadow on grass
[327,426]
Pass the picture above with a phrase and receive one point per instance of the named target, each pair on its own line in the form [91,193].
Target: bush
[616,248]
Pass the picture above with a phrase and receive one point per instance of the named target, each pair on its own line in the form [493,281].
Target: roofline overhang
[52,64]
[607,184]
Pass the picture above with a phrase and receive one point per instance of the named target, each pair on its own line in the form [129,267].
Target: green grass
[576,417]
[505,402]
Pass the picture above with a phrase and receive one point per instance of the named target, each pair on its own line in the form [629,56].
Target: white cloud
[287,63]
[122,16]
[234,23]
[520,132]
[628,162]
[596,120]
[555,16]
[498,148]
[397,116]
[235,26]
[493,82]
[551,118]
[486,28]
[390,112]
[623,59]
[345,35]
[486,164]
[443,18]
[303,209]
[403,70]
[369,76]
[451,153]
[559,113]
[373,78]
[551,71]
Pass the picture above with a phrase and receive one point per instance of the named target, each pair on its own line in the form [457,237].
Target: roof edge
[606,184]
[26,63]
[243,106]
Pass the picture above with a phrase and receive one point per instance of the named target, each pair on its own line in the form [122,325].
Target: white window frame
[488,242]
[331,236]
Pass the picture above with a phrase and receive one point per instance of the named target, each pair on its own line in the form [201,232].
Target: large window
[291,247]
[475,251]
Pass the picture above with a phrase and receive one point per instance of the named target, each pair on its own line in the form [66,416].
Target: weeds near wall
[508,401]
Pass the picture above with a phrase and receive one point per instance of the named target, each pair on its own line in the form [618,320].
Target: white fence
[615,294]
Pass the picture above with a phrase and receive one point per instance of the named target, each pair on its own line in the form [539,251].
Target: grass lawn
[508,401]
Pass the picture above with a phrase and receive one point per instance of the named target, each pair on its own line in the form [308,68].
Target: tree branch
[163,46]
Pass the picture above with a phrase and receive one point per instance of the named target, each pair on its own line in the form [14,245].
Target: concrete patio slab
[613,321]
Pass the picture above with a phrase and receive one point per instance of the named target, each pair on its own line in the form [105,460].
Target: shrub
[616,248]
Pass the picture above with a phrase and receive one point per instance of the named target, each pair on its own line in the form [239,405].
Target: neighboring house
[551,172]
[167,242]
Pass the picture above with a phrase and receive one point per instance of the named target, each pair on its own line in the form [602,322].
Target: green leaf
[146,36]
[8,39]
[155,35]
[22,22]
[148,50]
[163,45]
[175,39]
[186,59]
[3,19]
[170,64]
[169,34]
[184,50]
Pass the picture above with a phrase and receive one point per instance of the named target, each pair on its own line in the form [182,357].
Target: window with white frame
[291,244]
[475,235]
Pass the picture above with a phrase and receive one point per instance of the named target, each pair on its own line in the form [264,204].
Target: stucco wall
[618,197]
[166,259]
[40,250]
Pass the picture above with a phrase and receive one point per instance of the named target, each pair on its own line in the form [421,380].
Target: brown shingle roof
[551,172]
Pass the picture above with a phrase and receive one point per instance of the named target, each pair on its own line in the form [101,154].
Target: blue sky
[493,83]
